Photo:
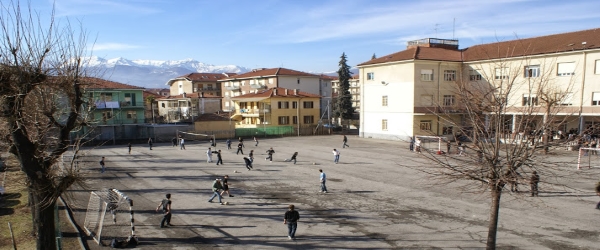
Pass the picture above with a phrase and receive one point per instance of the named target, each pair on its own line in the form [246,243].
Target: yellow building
[276,107]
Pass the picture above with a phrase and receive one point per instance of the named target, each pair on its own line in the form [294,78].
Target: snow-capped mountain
[153,73]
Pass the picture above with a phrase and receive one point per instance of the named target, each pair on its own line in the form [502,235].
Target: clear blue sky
[307,35]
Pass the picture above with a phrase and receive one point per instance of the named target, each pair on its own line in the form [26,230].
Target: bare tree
[507,115]
[41,97]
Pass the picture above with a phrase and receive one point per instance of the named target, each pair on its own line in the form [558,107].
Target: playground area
[376,198]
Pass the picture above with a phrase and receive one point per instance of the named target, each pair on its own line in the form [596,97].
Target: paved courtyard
[376,199]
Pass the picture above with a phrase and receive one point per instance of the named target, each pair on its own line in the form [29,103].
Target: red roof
[204,77]
[572,41]
[97,83]
[277,92]
[146,94]
[272,72]
[191,95]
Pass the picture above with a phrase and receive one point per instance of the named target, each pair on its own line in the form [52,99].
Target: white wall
[307,84]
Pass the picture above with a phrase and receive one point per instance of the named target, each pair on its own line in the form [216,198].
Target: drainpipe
[581,122]
[437,129]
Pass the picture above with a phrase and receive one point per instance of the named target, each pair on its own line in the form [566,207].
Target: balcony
[117,104]
[257,86]
[233,88]
[252,112]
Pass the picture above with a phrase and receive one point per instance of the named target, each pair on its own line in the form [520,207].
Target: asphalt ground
[377,199]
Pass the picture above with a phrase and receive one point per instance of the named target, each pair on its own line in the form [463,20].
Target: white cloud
[475,20]
[113,46]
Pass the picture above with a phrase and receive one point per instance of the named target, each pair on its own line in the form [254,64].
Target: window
[426,100]
[425,125]
[384,100]
[449,75]
[107,115]
[283,120]
[309,119]
[226,104]
[530,100]
[308,105]
[298,80]
[294,105]
[566,69]
[384,124]
[565,99]
[501,73]
[163,104]
[129,99]
[447,130]
[107,97]
[283,105]
[474,75]
[597,69]
[131,115]
[448,100]
[532,71]
[295,119]
[370,76]
[427,75]
[596,99]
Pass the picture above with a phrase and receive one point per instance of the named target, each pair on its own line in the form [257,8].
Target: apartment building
[275,107]
[186,107]
[197,82]
[402,92]
[354,90]
[263,78]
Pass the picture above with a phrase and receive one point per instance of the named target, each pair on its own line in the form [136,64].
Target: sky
[306,35]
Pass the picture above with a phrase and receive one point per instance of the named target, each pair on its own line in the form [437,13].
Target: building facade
[401,93]
[187,107]
[115,103]
[354,90]
[261,79]
[276,107]
[197,82]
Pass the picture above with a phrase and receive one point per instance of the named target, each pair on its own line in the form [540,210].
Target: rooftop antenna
[453,27]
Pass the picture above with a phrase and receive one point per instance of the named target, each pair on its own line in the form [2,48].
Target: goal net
[195,137]
[585,158]
[431,143]
[109,217]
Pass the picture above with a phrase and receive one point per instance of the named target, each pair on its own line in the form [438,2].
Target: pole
[329,114]
[579,159]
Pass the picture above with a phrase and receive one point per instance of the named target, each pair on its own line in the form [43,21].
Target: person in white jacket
[209,155]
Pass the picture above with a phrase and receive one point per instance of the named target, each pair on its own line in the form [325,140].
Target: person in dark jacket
[291,218]
[293,158]
[270,152]
[248,163]
[535,179]
[219,159]
[165,206]
[240,146]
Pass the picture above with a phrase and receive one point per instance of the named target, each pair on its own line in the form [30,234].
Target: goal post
[582,152]
[189,136]
[429,142]
[109,217]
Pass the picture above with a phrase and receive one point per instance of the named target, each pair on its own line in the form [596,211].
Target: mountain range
[156,73]
[153,73]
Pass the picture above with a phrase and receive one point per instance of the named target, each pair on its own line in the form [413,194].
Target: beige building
[354,90]
[401,92]
[275,107]
[261,79]
[187,107]
[197,82]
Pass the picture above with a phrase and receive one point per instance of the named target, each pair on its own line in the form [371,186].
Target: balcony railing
[117,104]
[252,111]
[232,87]
[257,86]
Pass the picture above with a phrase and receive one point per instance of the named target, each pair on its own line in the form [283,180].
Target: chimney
[286,93]
[183,94]
[295,91]
[275,91]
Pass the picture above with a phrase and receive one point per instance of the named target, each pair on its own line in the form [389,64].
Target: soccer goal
[433,143]
[109,217]
[587,153]
[188,136]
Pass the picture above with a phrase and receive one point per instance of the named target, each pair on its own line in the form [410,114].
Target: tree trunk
[45,234]
[494,214]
